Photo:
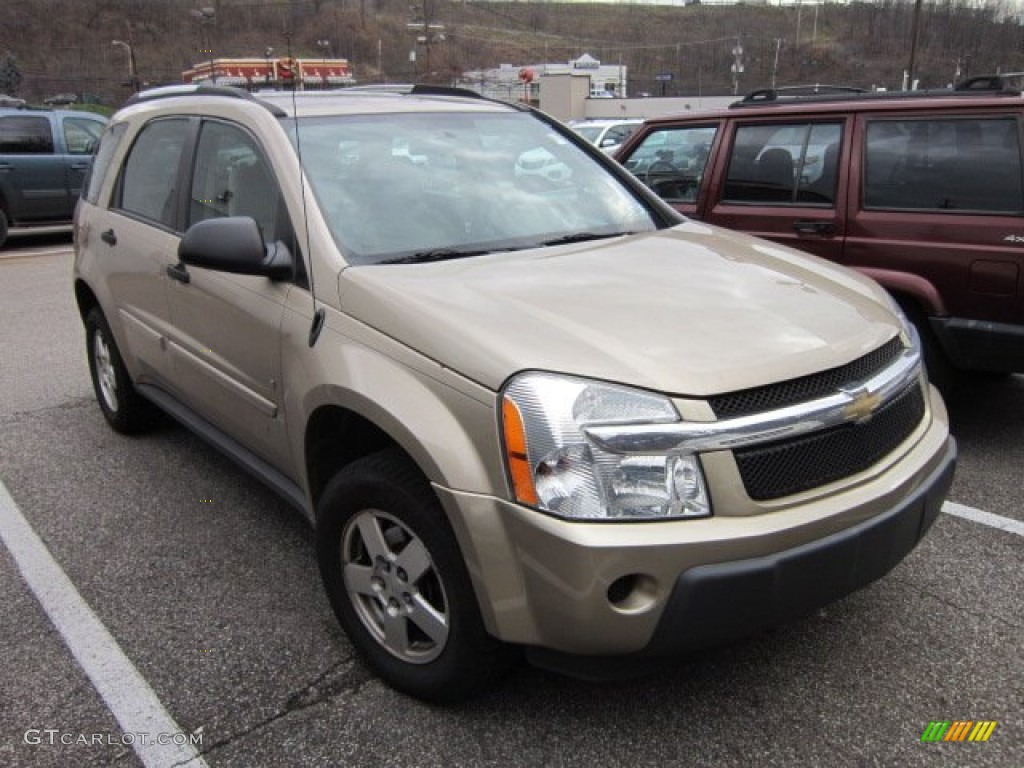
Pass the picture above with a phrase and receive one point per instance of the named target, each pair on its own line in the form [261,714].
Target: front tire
[398,584]
[123,408]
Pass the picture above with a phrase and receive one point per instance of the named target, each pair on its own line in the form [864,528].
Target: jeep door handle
[178,272]
[109,237]
[808,227]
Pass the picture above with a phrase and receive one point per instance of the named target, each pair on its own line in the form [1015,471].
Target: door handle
[810,227]
[109,237]
[178,272]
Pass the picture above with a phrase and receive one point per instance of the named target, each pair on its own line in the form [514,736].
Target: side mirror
[234,244]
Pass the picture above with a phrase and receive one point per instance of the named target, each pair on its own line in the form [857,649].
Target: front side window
[969,164]
[149,178]
[231,177]
[423,186]
[671,161]
[25,135]
[788,164]
[81,135]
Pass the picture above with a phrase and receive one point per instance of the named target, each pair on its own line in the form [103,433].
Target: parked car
[921,191]
[44,156]
[608,135]
[521,412]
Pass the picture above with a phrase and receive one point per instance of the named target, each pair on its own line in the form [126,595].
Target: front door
[226,345]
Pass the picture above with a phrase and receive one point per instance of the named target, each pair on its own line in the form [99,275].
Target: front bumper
[715,604]
[572,590]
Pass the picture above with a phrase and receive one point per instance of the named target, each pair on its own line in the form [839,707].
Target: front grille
[760,399]
[774,470]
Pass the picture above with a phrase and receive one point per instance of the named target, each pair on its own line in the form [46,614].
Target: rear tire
[123,408]
[398,584]
[4,227]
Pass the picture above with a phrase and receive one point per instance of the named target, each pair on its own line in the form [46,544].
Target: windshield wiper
[582,237]
[438,254]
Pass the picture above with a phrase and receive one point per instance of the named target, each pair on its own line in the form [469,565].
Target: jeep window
[148,183]
[109,143]
[25,135]
[81,135]
[398,186]
[784,164]
[231,177]
[672,161]
[952,164]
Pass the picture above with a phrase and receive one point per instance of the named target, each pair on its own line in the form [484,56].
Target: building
[272,72]
[511,82]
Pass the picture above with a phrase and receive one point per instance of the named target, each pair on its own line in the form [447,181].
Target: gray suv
[44,156]
[523,411]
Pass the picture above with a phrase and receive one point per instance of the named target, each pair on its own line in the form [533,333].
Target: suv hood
[693,310]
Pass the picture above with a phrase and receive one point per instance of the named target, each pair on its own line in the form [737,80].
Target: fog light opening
[632,593]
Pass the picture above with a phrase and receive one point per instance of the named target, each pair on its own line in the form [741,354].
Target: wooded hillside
[65,46]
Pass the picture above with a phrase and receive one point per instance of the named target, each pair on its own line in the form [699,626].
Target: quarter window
[25,135]
[108,145]
[794,164]
[963,164]
[149,182]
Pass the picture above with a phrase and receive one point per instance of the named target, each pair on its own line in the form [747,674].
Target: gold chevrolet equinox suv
[523,410]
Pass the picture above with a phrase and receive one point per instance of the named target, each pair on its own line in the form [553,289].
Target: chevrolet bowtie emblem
[863,406]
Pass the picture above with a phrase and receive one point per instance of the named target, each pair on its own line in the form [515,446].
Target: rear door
[79,136]
[135,239]
[939,209]
[784,180]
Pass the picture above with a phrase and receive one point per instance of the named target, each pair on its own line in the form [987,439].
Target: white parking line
[125,692]
[985,518]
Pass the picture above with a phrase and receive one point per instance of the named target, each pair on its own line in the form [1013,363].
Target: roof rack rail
[773,94]
[426,89]
[202,89]
[997,83]
[981,85]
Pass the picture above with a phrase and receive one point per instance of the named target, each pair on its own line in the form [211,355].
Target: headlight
[555,468]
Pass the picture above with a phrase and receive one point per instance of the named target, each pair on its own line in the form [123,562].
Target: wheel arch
[84,298]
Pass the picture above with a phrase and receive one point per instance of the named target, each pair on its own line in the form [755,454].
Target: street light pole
[133,78]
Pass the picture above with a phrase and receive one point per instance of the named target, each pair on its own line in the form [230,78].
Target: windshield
[408,187]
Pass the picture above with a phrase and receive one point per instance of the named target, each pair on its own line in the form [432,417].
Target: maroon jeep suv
[921,190]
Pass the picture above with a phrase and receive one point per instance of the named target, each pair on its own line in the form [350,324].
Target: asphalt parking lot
[206,585]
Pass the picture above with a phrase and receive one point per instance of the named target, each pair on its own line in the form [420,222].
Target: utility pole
[775,64]
[913,43]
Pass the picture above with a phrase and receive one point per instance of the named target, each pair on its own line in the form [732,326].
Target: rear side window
[81,135]
[25,135]
[784,164]
[149,178]
[101,163]
[963,164]
[671,161]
